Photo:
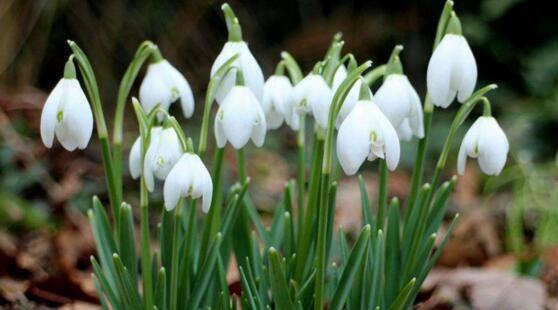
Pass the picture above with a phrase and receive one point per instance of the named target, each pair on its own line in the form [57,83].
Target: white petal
[276,99]
[260,127]
[404,131]
[48,116]
[239,115]
[176,183]
[439,72]
[220,137]
[154,90]
[339,76]
[393,99]
[135,159]
[415,118]
[468,67]
[469,145]
[206,183]
[391,141]
[493,147]
[350,102]
[177,80]
[318,97]
[353,139]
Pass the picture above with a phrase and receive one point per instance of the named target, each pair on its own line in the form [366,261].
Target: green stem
[373,76]
[292,66]
[382,194]
[101,126]
[321,255]
[301,158]
[146,275]
[233,26]
[142,53]
[175,258]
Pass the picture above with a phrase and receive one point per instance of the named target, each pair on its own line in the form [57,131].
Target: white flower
[400,103]
[240,117]
[134,163]
[67,115]
[486,141]
[253,76]
[162,153]
[188,178]
[311,94]
[404,131]
[163,85]
[452,70]
[366,133]
[276,97]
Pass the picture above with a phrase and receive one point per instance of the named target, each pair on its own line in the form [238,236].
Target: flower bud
[188,178]
[487,142]
[366,133]
[240,117]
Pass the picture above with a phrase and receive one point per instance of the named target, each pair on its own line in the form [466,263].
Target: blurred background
[509,223]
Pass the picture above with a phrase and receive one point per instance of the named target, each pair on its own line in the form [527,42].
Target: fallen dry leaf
[484,289]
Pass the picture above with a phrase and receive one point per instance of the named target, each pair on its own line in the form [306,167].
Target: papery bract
[67,115]
[366,133]
[240,117]
[487,142]
[253,76]
[452,70]
[162,153]
[188,178]
[399,102]
[163,84]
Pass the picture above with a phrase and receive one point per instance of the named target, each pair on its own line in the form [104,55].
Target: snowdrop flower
[134,163]
[452,69]
[339,76]
[486,141]
[245,62]
[163,85]
[276,97]
[188,178]
[400,103]
[162,153]
[312,94]
[240,117]
[67,114]
[366,133]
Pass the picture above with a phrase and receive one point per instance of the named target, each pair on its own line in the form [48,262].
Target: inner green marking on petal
[373,136]
[161,161]
[60,116]
[175,93]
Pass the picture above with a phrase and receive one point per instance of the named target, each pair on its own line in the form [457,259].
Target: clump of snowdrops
[285,265]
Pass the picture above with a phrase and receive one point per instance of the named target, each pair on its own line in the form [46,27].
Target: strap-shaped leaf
[108,290]
[206,271]
[403,296]
[393,252]
[351,267]
[127,242]
[161,293]
[279,288]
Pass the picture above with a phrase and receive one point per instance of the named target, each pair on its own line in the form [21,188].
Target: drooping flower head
[452,69]
[366,133]
[311,94]
[487,142]
[245,62]
[239,119]
[188,178]
[352,97]
[164,84]
[276,98]
[163,152]
[67,113]
[399,101]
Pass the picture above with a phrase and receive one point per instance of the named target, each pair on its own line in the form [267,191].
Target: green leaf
[439,206]
[160,298]
[206,271]
[378,272]
[351,267]
[248,289]
[127,241]
[108,290]
[279,287]
[125,285]
[403,297]
[393,252]
[366,211]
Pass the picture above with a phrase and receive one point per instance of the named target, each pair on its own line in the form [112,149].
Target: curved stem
[292,66]
[373,76]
